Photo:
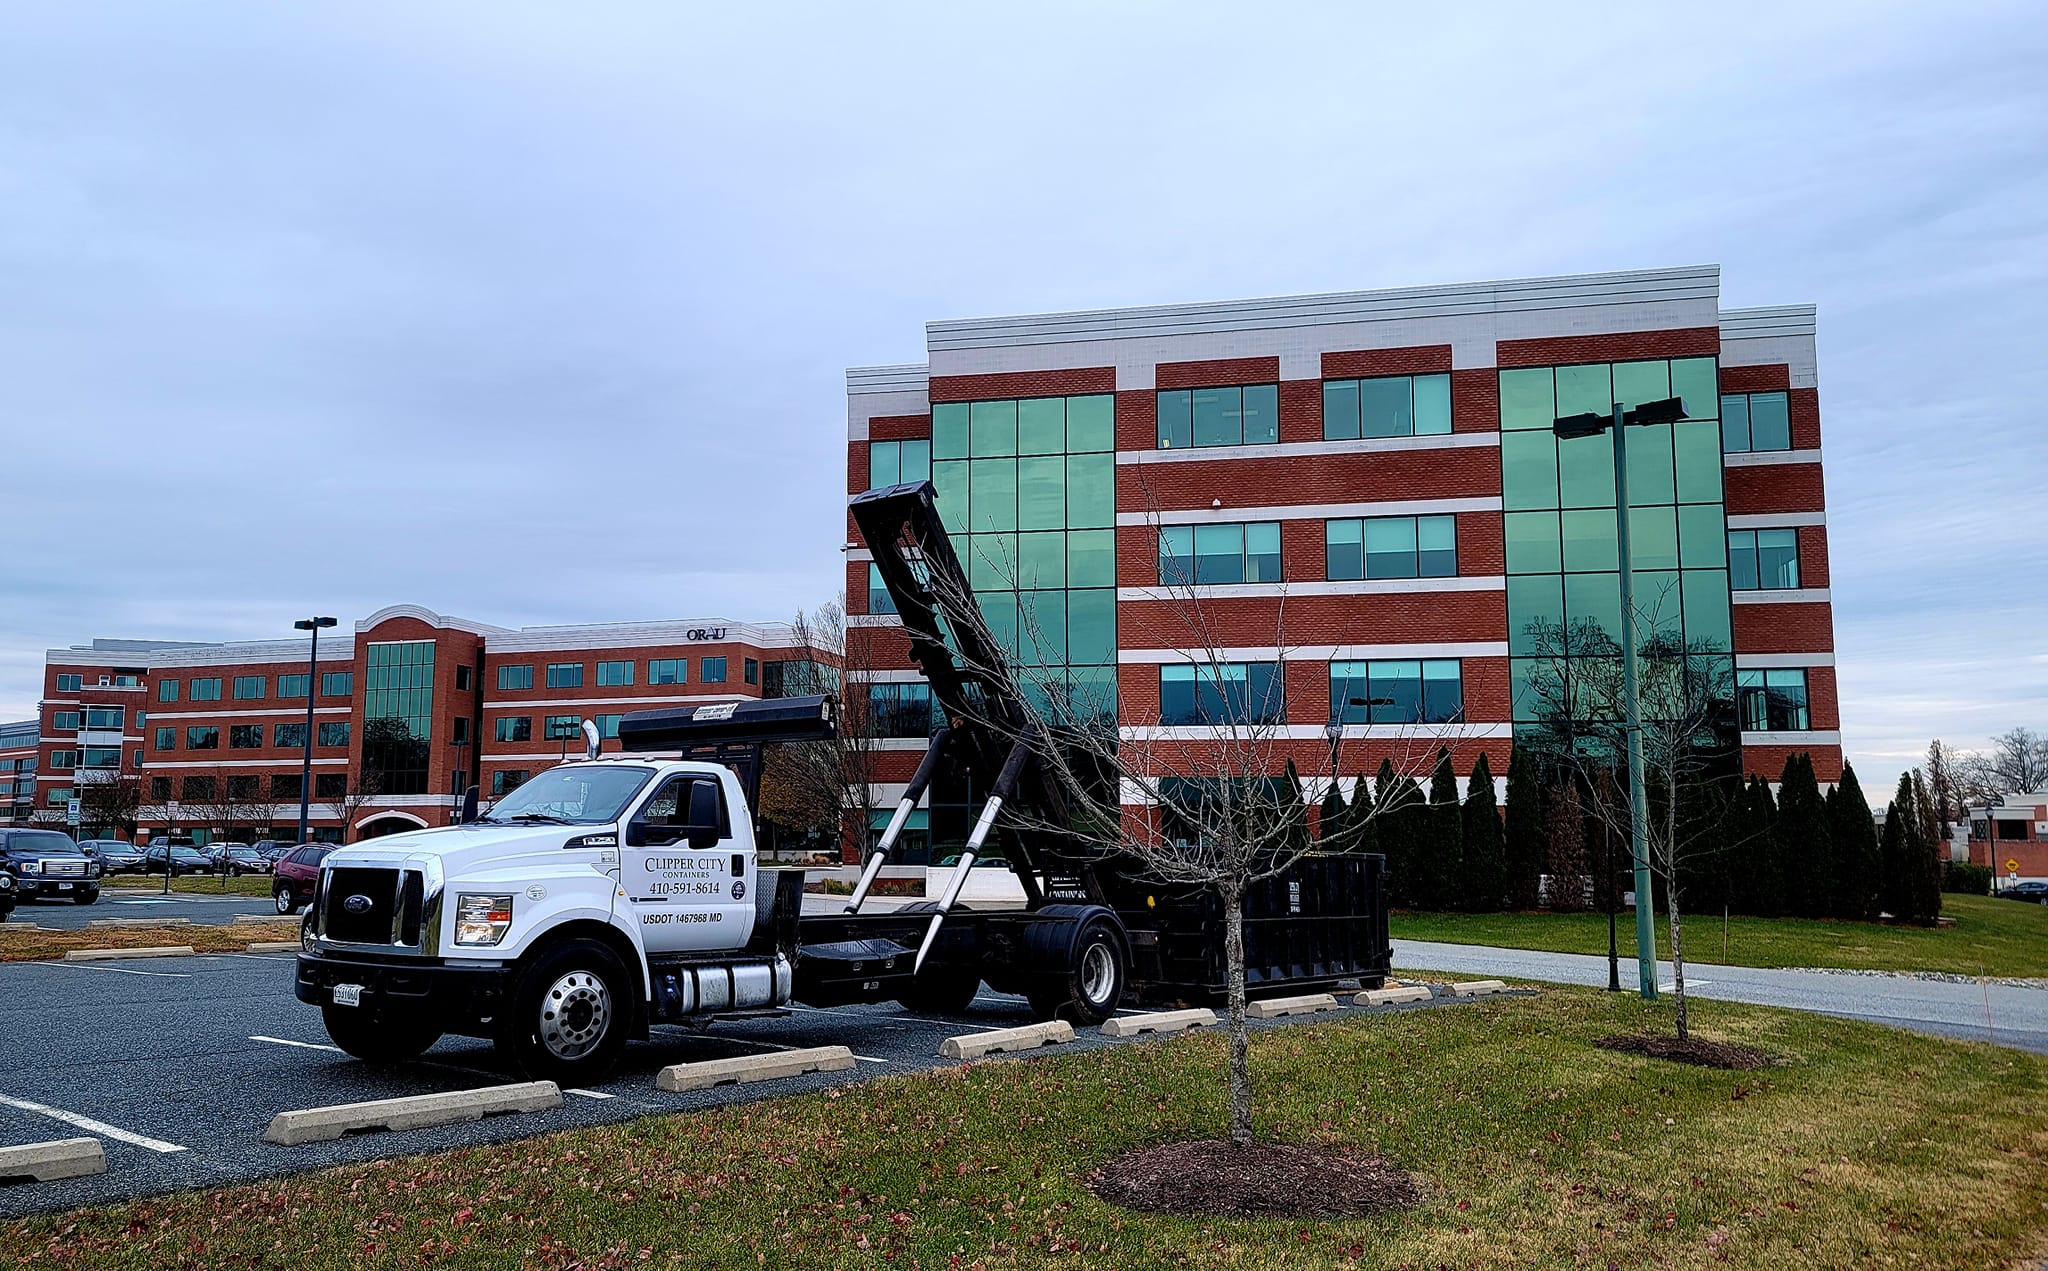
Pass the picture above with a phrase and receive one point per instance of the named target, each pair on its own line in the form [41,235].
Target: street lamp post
[312,688]
[1668,411]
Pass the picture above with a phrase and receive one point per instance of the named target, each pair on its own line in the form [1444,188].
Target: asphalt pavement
[2007,1015]
[122,902]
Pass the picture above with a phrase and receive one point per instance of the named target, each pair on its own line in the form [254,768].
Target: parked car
[184,860]
[7,895]
[47,865]
[297,874]
[238,860]
[274,850]
[2034,891]
[114,855]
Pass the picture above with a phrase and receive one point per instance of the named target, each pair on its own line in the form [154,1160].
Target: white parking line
[88,1124]
[1689,984]
[286,1041]
[86,966]
[591,1094]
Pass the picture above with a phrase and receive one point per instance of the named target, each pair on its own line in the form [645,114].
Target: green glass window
[898,462]
[949,485]
[1694,380]
[1527,398]
[1653,537]
[1091,558]
[206,690]
[1222,553]
[992,429]
[992,487]
[1042,426]
[711,670]
[1649,465]
[1535,613]
[1639,382]
[292,685]
[1708,622]
[1091,627]
[949,430]
[1387,406]
[1532,543]
[398,715]
[1528,463]
[291,736]
[1701,540]
[1399,691]
[1091,424]
[607,726]
[1774,700]
[677,670]
[1763,560]
[337,683]
[1042,560]
[1042,628]
[614,674]
[1696,454]
[565,675]
[1228,416]
[249,688]
[334,734]
[202,737]
[166,739]
[514,678]
[992,562]
[1041,492]
[167,690]
[1091,491]
[1755,422]
[1585,471]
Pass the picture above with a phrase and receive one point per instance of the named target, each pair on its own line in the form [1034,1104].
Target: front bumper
[55,888]
[463,994]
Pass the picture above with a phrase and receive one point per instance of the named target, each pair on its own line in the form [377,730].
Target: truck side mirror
[702,826]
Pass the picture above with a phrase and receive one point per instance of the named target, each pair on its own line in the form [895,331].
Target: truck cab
[599,897]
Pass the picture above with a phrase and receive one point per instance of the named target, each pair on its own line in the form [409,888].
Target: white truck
[614,894]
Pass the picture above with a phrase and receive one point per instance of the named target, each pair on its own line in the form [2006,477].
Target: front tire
[86,897]
[569,1015]
[287,904]
[1088,991]
[380,1036]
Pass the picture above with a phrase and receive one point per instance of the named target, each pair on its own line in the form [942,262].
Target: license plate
[348,995]
[63,886]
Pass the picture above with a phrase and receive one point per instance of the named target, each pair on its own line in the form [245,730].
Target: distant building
[2012,838]
[18,760]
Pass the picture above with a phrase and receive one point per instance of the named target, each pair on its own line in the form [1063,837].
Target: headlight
[31,867]
[482,920]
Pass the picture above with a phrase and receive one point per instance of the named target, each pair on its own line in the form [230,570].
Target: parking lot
[178,1064]
[129,903]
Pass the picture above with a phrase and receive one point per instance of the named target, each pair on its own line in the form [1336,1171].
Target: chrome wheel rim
[284,902]
[574,1015]
[1098,973]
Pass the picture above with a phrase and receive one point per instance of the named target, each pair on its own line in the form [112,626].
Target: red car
[297,874]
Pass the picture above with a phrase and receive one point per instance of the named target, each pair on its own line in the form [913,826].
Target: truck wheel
[86,897]
[939,992]
[380,1036]
[1088,991]
[569,1015]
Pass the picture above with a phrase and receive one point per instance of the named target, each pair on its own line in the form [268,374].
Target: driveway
[2006,1014]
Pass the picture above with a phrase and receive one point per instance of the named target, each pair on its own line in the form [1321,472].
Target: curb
[58,1158]
[999,1040]
[743,1068]
[414,1112]
[1275,1007]
[1158,1022]
[151,951]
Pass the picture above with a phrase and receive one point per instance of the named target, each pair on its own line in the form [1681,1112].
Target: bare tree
[110,799]
[825,783]
[2015,763]
[359,790]
[1203,796]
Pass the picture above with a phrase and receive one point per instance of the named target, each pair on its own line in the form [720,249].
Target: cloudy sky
[537,313]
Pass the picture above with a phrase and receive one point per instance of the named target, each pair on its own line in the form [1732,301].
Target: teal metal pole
[1638,800]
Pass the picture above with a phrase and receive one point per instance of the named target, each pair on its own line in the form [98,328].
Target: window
[100,757]
[1399,691]
[1221,693]
[750,671]
[337,683]
[1388,406]
[58,798]
[63,760]
[196,789]
[286,786]
[167,690]
[206,690]
[241,789]
[1391,547]
[463,678]
[398,715]
[166,739]
[330,785]
[292,736]
[713,670]
[127,681]
[113,718]
[1773,701]
[898,463]
[202,737]
[1763,560]
[245,736]
[1755,421]
[334,734]
[562,727]
[514,728]
[614,674]
[70,683]
[668,670]
[608,726]
[899,710]
[159,788]
[292,685]
[458,730]
[1219,553]
[514,679]
[507,779]
[565,675]
[249,688]
[1235,416]
[879,599]
[64,721]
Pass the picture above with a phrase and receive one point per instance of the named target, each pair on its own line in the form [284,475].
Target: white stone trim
[1318,587]
[900,743]
[1781,661]
[1776,520]
[380,814]
[897,676]
[543,706]
[428,616]
[1788,596]
[1822,737]
[1768,458]
[1308,511]
[297,713]
[199,767]
[1304,449]
[873,620]
[288,655]
[1223,734]
[592,638]
[1315,653]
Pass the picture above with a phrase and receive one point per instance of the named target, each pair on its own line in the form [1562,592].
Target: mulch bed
[1264,1180]
[1701,1053]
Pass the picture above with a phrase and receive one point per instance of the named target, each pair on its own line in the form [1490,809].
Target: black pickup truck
[47,865]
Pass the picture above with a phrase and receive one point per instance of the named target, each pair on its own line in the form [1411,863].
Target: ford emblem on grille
[357,904]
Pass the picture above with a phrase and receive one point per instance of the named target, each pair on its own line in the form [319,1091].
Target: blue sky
[537,313]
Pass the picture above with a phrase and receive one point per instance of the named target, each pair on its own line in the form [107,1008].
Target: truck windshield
[575,795]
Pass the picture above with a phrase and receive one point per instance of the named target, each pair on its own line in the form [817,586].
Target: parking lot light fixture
[1667,411]
[312,689]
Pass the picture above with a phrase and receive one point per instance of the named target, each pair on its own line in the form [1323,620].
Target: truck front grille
[373,906]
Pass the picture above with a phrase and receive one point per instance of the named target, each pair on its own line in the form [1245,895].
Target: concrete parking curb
[1275,1007]
[149,951]
[242,919]
[999,1040]
[273,946]
[1158,1022]
[1478,988]
[58,1158]
[741,1068]
[1389,996]
[414,1112]
[139,922]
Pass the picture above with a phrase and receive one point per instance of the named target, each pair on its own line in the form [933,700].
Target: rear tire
[387,1035]
[1088,991]
[569,1015]
[286,903]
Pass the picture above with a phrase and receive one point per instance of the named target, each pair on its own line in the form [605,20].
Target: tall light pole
[312,689]
[1668,411]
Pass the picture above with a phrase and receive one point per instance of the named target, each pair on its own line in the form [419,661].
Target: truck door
[688,876]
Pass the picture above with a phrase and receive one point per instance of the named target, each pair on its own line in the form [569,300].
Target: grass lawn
[206,884]
[23,942]
[1866,1146]
[1990,937]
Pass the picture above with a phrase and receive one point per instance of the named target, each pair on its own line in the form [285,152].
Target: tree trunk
[1240,1039]
[1677,961]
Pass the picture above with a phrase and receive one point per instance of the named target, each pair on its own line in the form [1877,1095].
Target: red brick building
[408,709]
[20,755]
[1365,496]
